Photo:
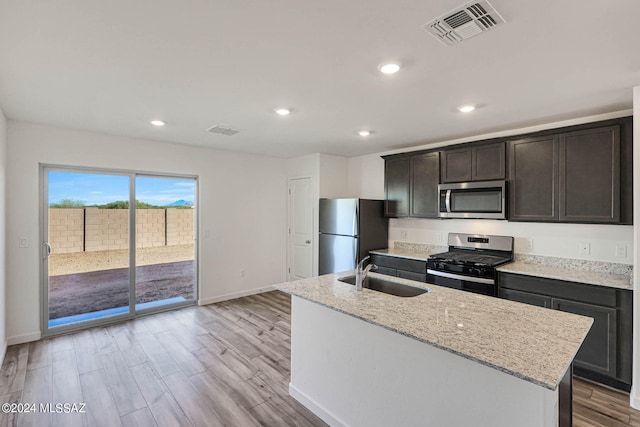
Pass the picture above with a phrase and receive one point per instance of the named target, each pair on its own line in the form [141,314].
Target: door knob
[307,241]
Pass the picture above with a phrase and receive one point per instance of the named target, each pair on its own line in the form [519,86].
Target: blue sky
[98,189]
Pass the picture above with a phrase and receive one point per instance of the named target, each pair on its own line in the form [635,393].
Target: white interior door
[300,240]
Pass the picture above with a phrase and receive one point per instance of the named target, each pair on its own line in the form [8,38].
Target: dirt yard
[85,282]
[84,262]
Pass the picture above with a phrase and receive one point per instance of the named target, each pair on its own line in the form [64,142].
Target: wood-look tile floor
[225,364]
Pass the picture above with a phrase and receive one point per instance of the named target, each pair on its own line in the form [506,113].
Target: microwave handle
[447,201]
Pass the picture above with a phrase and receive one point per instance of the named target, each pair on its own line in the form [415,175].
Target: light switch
[23,242]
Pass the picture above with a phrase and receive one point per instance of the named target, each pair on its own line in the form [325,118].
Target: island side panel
[352,373]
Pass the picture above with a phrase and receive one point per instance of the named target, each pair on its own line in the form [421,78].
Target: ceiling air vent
[222,131]
[464,22]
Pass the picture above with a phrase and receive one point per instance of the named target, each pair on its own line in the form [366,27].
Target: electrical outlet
[439,237]
[529,244]
[403,234]
[585,248]
[621,251]
[242,273]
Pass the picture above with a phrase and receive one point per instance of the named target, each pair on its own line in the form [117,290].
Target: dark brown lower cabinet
[606,353]
[599,350]
[526,297]
[400,267]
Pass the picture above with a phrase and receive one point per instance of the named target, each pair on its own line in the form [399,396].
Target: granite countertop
[571,270]
[620,281]
[531,343]
[403,253]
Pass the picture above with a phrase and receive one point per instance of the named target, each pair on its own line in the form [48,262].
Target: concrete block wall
[66,230]
[150,228]
[93,229]
[180,226]
[106,229]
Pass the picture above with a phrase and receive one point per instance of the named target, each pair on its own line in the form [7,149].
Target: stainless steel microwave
[480,199]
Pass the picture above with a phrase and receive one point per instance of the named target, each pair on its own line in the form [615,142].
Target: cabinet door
[412,276]
[590,175]
[488,162]
[533,175]
[387,271]
[598,352]
[396,187]
[526,298]
[425,177]
[456,165]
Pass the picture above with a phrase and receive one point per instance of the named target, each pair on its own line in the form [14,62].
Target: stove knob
[441,266]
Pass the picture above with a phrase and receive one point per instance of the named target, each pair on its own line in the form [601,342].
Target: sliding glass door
[115,244]
[165,251]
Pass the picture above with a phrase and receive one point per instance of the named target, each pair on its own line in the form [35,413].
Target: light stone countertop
[529,342]
[611,280]
[403,253]
[580,271]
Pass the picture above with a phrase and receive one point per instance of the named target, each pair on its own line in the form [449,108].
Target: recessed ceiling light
[282,111]
[466,108]
[158,123]
[364,133]
[390,68]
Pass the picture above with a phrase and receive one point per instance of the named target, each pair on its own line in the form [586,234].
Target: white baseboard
[320,411]
[634,399]
[3,353]
[235,295]
[19,339]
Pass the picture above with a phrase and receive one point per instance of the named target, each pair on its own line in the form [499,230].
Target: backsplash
[419,247]
[577,264]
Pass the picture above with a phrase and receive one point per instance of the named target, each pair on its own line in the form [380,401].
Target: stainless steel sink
[386,286]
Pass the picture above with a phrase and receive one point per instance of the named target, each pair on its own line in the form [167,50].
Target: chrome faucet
[361,273]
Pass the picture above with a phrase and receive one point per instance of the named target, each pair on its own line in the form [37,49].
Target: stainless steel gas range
[471,262]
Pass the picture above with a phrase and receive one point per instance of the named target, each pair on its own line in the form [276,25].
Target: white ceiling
[111,66]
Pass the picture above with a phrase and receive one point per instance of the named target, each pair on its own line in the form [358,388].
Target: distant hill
[181,203]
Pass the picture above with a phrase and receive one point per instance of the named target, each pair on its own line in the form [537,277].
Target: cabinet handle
[307,241]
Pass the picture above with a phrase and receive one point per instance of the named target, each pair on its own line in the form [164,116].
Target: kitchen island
[443,358]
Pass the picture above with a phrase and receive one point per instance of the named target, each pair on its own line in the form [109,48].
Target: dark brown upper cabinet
[590,175]
[533,179]
[567,177]
[456,165]
[397,174]
[425,177]
[473,163]
[488,162]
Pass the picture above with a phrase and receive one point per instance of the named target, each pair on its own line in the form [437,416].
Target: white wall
[242,200]
[366,179]
[3,203]
[366,176]
[333,176]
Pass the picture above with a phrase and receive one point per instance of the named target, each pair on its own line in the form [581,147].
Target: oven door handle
[461,277]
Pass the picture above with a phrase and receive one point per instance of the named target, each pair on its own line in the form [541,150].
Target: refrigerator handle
[355,252]
[354,225]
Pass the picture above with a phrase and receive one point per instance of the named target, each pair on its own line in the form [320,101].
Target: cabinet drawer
[599,295]
[410,265]
[386,270]
[526,298]
[412,276]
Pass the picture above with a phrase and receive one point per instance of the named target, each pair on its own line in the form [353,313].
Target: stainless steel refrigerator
[349,229]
